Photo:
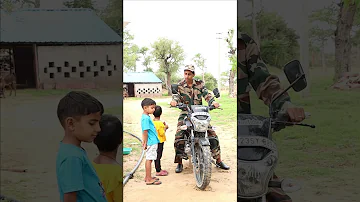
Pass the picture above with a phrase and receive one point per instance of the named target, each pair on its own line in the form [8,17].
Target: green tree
[274,33]
[319,36]
[10,5]
[169,55]
[7,5]
[80,4]
[224,78]
[113,16]
[131,52]
[30,3]
[211,83]
[147,59]
[199,61]
[233,60]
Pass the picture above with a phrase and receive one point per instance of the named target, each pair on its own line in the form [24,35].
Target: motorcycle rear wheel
[202,166]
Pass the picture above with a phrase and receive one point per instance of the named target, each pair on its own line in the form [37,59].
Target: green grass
[331,150]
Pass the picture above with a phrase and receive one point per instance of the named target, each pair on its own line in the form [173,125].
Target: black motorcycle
[257,153]
[196,140]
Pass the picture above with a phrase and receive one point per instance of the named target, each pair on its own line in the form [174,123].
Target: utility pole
[219,67]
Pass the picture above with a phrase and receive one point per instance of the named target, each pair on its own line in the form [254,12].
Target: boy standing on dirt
[161,128]
[79,114]
[107,167]
[150,139]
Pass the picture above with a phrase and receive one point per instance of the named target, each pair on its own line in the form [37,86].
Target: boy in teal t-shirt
[150,139]
[79,114]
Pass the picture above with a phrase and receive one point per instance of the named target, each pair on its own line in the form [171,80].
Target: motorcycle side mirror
[216,92]
[295,75]
[174,88]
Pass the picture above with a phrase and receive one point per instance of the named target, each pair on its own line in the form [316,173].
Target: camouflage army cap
[190,68]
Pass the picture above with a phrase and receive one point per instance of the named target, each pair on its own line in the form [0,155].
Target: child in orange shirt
[161,127]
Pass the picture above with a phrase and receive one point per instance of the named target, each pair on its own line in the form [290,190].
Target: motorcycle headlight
[253,176]
[201,121]
[200,125]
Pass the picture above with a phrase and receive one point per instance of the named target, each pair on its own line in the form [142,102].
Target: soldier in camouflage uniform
[192,91]
[252,70]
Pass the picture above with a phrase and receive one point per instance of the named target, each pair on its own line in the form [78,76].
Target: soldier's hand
[296,114]
[173,103]
[216,105]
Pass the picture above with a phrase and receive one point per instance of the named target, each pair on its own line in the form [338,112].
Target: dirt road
[180,186]
[30,134]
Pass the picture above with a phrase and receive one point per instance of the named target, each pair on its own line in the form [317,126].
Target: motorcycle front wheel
[202,166]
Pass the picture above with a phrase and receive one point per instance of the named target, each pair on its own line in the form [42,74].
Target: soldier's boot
[179,168]
[222,165]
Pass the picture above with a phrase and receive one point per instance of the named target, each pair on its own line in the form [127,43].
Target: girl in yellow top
[161,127]
[107,167]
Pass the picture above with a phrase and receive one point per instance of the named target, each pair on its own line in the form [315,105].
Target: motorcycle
[196,140]
[257,153]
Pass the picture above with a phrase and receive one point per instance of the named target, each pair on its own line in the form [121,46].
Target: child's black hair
[76,104]
[147,102]
[111,134]
[158,111]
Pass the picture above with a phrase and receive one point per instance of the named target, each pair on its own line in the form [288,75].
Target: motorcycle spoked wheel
[202,166]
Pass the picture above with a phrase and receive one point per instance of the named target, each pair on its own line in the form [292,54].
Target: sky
[193,24]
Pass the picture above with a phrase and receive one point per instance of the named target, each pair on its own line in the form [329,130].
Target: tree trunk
[168,82]
[342,39]
[231,82]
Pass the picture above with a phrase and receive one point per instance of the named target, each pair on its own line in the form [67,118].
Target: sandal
[154,178]
[162,173]
[153,183]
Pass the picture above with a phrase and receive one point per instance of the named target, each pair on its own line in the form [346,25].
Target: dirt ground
[179,186]
[30,135]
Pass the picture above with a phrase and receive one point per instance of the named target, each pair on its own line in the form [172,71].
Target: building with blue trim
[142,84]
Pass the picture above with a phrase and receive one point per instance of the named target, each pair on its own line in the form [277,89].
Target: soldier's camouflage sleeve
[252,69]
[209,98]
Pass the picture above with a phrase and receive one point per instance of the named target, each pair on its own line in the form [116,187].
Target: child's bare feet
[162,173]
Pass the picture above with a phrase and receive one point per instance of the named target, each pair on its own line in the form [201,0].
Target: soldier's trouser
[274,194]
[179,146]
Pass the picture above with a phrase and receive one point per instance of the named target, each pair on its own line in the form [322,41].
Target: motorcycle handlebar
[183,106]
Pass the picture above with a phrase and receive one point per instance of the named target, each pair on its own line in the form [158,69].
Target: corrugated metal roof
[140,77]
[55,26]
